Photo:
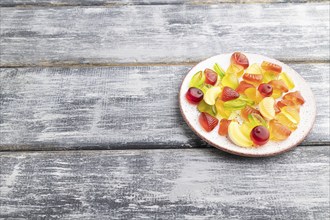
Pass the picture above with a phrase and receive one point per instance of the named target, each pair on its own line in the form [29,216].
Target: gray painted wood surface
[113,107]
[12,3]
[164,184]
[161,33]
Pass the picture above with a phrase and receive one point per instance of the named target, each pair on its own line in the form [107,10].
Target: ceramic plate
[307,111]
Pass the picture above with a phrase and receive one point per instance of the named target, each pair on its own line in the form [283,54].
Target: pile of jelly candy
[254,103]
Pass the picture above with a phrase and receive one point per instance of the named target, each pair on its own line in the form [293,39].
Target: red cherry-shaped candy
[259,135]
[194,95]
[239,59]
[211,77]
[265,89]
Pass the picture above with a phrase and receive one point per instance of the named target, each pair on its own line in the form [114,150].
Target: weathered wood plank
[164,184]
[113,107]
[13,3]
[161,33]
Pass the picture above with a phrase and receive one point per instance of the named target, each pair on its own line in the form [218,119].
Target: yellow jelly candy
[277,93]
[254,69]
[268,76]
[287,80]
[284,120]
[235,69]
[230,80]
[266,108]
[221,111]
[211,95]
[291,113]
[239,137]
[246,128]
[253,94]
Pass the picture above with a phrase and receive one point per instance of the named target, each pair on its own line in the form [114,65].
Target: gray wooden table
[89,121]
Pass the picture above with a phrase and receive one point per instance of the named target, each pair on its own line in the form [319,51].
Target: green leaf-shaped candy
[217,68]
[197,80]
[235,104]
[203,107]
[256,120]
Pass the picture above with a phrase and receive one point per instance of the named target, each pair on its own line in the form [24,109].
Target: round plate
[307,111]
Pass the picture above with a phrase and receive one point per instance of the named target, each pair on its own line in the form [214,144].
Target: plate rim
[293,145]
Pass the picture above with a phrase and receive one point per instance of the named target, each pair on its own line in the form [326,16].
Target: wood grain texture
[13,3]
[161,33]
[164,184]
[113,107]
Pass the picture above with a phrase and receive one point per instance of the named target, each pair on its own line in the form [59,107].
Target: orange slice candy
[294,97]
[272,67]
[285,102]
[278,132]
[278,88]
[253,74]
[279,85]
[289,117]
[248,110]
[243,86]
